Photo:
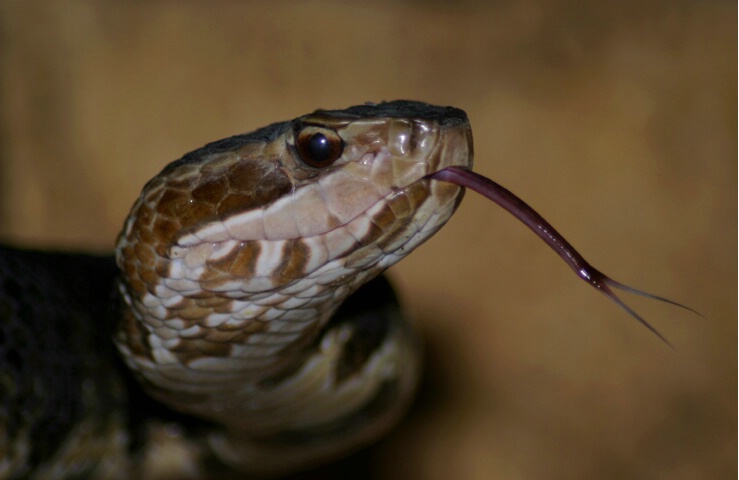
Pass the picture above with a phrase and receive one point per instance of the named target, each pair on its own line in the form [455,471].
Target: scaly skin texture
[63,401]
[236,257]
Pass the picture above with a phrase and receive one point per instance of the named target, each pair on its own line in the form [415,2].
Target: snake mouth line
[522,211]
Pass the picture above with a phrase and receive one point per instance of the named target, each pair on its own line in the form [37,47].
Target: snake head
[321,196]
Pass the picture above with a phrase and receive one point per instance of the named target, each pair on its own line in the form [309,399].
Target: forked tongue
[522,211]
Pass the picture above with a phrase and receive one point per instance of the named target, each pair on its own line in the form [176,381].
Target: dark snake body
[59,369]
[57,363]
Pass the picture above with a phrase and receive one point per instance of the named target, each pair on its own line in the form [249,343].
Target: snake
[245,316]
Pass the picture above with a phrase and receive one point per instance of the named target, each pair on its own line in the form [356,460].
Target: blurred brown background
[616,120]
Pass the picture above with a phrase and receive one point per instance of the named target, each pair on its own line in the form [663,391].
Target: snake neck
[207,351]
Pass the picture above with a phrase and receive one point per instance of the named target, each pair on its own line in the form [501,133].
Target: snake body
[245,302]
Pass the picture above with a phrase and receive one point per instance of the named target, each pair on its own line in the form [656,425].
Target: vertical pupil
[319,147]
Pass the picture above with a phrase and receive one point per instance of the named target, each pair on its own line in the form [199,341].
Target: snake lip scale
[251,325]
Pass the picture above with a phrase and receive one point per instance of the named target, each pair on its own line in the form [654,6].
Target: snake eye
[318,147]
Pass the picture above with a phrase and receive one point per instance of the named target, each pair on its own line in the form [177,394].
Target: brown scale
[133,333]
[245,260]
[218,303]
[246,326]
[295,256]
[188,350]
[187,309]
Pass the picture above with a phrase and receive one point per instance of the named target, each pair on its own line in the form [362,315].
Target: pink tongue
[522,211]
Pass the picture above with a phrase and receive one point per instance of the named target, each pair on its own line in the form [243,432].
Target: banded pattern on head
[236,256]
